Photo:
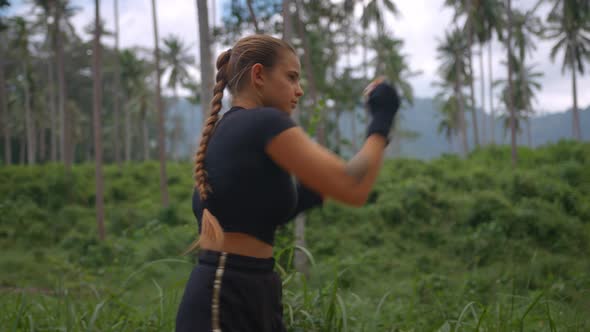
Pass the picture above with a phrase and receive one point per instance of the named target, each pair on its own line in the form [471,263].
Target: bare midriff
[238,243]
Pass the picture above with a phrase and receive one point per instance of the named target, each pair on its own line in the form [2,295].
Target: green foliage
[448,245]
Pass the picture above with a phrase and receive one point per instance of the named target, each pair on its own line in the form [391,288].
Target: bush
[487,206]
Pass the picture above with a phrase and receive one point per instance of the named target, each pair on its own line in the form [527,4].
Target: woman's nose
[299,91]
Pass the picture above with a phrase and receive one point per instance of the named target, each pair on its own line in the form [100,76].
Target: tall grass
[446,245]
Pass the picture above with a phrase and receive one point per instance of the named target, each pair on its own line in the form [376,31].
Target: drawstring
[216,291]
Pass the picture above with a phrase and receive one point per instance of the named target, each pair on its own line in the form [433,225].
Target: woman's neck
[246,102]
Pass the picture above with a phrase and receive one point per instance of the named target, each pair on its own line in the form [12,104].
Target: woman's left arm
[306,199]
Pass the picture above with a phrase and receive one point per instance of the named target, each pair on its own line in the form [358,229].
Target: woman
[245,190]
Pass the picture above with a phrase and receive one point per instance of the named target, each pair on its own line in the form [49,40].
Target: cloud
[422,22]
[425,21]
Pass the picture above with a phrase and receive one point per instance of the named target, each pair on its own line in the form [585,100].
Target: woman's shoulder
[264,123]
[263,112]
[262,119]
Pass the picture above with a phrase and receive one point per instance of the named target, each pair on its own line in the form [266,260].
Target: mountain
[421,118]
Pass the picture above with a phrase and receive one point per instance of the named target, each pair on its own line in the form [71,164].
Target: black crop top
[250,193]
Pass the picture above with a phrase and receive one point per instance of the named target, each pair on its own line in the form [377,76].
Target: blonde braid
[210,227]
[200,173]
[247,52]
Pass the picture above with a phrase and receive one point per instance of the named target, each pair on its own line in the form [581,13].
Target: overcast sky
[421,24]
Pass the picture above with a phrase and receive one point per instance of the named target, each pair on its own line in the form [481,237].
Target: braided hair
[221,83]
[232,67]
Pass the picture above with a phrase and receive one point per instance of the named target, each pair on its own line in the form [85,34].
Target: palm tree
[449,122]
[308,68]
[97,83]
[525,84]
[487,19]
[374,12]
[160,107]
[4,101]
[395,66]
[44,21]
[287,21]
[300,259]
[61,83]
[348,9]
[62,11]
[466,8]
[524,26]
[3,96]
[452,51]
[207,73]
[117,90]
[469,27]
[131,76]
[4,113]
[176,62]
[21,44]
[253,16]
[569,24]
[510,100]
[134,73]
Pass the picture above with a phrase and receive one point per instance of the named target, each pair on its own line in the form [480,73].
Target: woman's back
[250,193]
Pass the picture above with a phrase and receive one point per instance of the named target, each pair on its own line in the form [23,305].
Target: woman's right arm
[326,173]
[323,171]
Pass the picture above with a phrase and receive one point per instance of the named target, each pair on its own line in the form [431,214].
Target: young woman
[244,188]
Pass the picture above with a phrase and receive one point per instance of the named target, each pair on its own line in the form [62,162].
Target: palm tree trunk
[483,97]
[41,147]
[116,92]
[4,112]
[353,130]
[349,65]
[460,106]
[29,122]
[575,115]
[492,112]
[53,122]
[320,134]
[175,129]
[22,149]
[206,58]
[287,21]
[288,37]
[160,106]
[128,136]
[97,84]
[144,126]
[511,88]
[365,120]
[471,85]
[300,259]
[337,132]
[66,149]
[252,15]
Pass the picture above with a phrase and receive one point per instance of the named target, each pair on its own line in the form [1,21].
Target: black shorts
[230,293]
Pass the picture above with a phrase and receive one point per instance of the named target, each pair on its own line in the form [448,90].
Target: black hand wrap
[383,103]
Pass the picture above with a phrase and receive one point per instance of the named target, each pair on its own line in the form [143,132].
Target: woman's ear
[257,75]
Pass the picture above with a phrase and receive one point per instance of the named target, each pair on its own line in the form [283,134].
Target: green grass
[446,245]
